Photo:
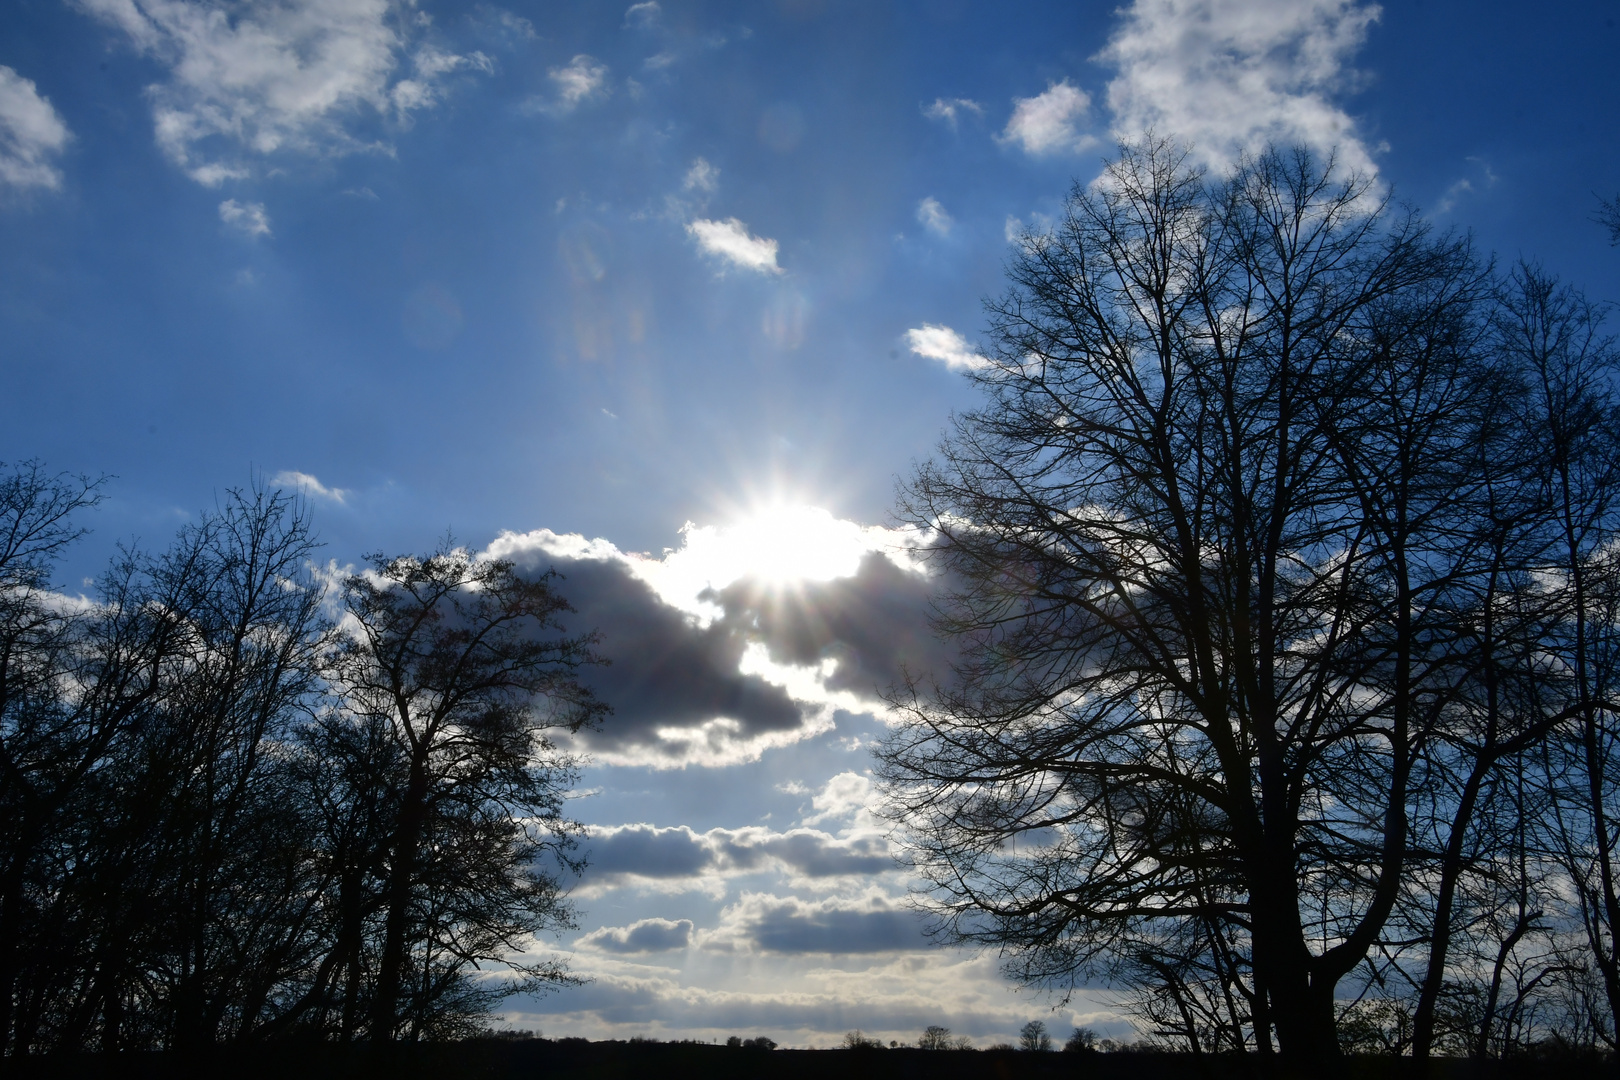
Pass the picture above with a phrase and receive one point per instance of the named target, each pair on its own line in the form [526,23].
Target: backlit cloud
[263,76]
[731,241]
[32,135]
[935,342]
[1233,75]
[1049,123]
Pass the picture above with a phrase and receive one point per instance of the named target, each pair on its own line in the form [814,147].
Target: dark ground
[541,1058]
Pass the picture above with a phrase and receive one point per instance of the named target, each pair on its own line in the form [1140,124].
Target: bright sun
[780,543]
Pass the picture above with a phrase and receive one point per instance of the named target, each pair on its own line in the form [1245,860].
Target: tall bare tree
[460,668]
[1210,528]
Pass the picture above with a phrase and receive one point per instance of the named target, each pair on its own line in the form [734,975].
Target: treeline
[1285,551]
[242,799]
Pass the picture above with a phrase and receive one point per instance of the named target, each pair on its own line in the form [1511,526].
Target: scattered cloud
[934,342]
[643,15]
[247,217]
[701,177]
[933,217]
[642,936]
[947,110]
[266,76]
[1230,76]
[730,240]
[430,65]
[310,486]
[32,134]
[581,79]
[1049,122]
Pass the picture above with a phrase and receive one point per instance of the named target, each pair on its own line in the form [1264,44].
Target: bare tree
[455,669]
[1204,529]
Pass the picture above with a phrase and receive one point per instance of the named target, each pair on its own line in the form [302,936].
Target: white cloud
[642,15]
[933,217]
[31,134]
[250,218]
[731,240]
[1047,123]
[935,342]
[310,486]
[582,78]
[265,76]
[701,177]
[1230,76]
[946,110]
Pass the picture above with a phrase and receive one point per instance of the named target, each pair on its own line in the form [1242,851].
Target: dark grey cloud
[649,852]
[644,936]
[790,925]
[797,926]
[663,671]
[875,624]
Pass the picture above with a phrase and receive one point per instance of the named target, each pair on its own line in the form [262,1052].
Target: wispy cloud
[933,217]
[641,16]
[947,110]
[701,177]
[1465,186]
[1230,76]
[934,342]
[731,241]
[1049,123]
[32,134]
[265,76]
[310,486]
[249,218]
[582,78]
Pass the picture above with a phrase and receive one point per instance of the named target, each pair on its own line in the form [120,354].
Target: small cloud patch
[1049,122]
[932,216]
[249,218]
[731,241]
[309,486]
[948,110]
[934,342]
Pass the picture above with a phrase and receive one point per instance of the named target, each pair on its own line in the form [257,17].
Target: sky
[667,296]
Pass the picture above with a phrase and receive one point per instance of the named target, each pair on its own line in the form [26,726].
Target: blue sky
[582,274]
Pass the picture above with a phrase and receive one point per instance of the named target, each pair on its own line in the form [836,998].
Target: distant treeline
[241,800]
